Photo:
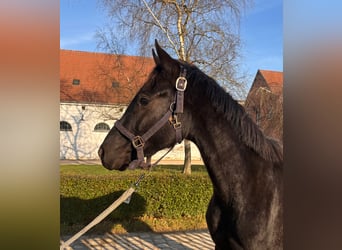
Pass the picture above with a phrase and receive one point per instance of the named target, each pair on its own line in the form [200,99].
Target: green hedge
[160,195]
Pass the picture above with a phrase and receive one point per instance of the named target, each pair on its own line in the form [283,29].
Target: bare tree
[202,32]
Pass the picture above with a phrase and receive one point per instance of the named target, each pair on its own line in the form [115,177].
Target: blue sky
[261,32]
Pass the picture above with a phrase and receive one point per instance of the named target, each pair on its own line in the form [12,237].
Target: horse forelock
[248,132]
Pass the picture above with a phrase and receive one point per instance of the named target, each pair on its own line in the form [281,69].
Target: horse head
[150,123]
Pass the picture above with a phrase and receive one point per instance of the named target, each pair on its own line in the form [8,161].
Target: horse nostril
[100,152]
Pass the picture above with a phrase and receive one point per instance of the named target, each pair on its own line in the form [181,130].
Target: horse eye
[143,101]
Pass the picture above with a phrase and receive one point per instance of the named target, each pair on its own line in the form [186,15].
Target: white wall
[83,142]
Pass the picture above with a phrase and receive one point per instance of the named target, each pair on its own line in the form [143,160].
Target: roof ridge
[268,70]
[103,53]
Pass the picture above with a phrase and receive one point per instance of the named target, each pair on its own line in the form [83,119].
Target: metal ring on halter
[138,142]
[172,106]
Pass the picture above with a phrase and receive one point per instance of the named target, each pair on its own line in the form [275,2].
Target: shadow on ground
[76,213]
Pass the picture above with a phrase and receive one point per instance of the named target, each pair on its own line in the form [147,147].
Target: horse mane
[246,129]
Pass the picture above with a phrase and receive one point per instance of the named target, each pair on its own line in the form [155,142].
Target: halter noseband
[176,107]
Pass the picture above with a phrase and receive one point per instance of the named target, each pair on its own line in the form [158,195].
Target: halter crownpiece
[138,142]
[181,84]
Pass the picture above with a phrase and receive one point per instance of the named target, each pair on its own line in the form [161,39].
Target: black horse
[179,101]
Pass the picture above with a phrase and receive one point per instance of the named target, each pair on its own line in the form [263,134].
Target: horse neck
[219,147]
[230,163]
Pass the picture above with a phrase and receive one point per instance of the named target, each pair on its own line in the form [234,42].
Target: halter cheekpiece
[138,142]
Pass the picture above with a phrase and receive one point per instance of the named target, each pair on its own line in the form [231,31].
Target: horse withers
[179,101]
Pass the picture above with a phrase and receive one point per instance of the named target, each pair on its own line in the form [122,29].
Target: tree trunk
[187,157]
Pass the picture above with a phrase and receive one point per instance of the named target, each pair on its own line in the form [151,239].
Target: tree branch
[160,25]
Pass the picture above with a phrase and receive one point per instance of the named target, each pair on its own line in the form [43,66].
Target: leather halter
[138,141]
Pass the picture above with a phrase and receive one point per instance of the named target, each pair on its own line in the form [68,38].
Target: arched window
[64,126]
[101,127]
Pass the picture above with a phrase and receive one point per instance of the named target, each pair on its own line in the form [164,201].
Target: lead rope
[100,217]
[125,197]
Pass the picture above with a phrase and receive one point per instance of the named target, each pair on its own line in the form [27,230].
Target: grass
[100,170]
[134,223]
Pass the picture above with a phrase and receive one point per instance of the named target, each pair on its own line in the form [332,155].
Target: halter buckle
[174,122]
[181,83]
[138,142]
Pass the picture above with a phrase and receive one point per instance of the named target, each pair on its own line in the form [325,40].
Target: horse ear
[164,59]
[155,57]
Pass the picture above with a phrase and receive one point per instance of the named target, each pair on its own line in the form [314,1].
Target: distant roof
[90,77]
[274,80]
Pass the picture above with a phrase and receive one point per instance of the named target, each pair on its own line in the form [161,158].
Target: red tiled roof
[274,80]
[97,72]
